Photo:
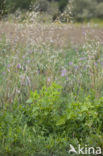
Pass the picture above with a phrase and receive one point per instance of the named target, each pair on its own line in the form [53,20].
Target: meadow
[51,88]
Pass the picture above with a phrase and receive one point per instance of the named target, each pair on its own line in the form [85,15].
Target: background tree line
[81,9]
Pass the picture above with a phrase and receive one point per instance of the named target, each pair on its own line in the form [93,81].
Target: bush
[11,5]
[83,9]
[99,10]
[62,4]
[2,8]
[41,5]
[48,123]
[86,9]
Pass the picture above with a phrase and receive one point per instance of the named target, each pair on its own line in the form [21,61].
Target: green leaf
[29,101]
[61,122]
[35,109]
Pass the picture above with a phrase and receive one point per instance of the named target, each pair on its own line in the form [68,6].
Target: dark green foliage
[47,123]
[2,7]
[62,4]
[41,5]
[81,9]
[25,4]
[86,9]
[99,10]
[12,5]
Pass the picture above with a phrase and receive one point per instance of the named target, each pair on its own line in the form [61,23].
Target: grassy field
[56,34]
[51,88]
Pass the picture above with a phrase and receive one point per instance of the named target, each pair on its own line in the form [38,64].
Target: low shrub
[48,123]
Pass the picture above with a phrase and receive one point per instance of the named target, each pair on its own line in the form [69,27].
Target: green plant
[48,123]
[46,107]
[54,117]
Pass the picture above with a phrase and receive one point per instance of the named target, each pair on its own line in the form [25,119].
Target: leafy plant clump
[49,122]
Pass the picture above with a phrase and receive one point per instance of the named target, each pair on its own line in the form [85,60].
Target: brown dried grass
[60,35]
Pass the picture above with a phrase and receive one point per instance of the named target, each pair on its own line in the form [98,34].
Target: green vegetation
[48,122]
[86,9]
[51,89]
[50,98]
[79,10]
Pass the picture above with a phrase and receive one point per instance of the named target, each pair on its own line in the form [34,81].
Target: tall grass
[50,92]
[29,67]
